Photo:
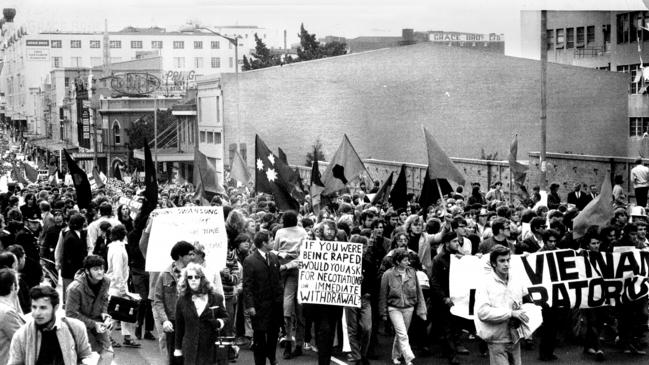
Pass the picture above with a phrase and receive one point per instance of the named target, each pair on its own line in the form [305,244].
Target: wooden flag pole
[439,190]
[511,184]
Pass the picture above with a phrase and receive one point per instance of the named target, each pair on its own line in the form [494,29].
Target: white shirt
[640,176]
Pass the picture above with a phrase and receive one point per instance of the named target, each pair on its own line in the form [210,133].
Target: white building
[29,58]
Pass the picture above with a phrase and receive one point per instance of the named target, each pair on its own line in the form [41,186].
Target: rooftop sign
[135,83]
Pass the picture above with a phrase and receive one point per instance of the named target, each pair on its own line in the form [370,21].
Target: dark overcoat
[262,290]
[195,335]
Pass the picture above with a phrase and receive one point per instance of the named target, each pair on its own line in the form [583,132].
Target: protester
[73,251]
[263,298]
[10,319]
[87,301]
[47,337]
[199,317]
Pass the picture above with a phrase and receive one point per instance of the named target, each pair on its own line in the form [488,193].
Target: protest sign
[330,273]
[203,225]
[562,278]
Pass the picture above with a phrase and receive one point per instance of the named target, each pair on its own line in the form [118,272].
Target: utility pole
[544,101]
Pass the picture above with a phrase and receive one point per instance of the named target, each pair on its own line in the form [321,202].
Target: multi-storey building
[29,59]
[607,40]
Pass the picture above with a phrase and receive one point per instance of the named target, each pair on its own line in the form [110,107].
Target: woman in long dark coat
[200,314]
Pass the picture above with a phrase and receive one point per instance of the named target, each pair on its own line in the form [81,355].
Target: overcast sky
[348,18]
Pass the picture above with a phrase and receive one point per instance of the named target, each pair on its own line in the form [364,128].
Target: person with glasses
[459,226]
[200,315]
[534,242]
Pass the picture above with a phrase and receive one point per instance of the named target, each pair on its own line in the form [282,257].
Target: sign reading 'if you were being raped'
[330,273]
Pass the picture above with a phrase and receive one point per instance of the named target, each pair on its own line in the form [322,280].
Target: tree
[309,47]
[316,149]
[261,57]
[334,48]
[142,128]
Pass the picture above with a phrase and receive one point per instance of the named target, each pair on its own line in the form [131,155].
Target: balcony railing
[590,52]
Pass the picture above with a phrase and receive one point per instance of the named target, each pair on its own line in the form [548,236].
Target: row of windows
[629,27]
[178,62]
[571,37]
[634,87]
[638,126]
[75,43]
[210,137]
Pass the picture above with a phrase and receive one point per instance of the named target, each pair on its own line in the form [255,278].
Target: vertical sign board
[83,115]
[330,273]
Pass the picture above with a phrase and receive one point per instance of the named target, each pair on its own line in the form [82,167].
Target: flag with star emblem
[272,176]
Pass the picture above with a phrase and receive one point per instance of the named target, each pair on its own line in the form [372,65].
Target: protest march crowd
[99,248]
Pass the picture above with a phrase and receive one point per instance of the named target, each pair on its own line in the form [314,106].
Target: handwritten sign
[204,225]
[330,273]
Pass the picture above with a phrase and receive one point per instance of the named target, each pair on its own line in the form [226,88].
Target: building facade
[607,40]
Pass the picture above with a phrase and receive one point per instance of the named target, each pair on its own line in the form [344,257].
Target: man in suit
[592,193]
[577,197]
[263,298]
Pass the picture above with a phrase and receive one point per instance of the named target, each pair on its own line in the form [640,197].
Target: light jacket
[117,268]
[71,334]
[401,294]
[10,322]
[495,300]
[166,295]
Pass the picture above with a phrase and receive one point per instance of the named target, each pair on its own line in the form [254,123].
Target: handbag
[123,309]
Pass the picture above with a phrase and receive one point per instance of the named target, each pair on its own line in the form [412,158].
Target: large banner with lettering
[330,273]
[203,225]
[562,278]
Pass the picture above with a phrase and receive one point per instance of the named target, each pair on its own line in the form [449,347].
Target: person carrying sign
[498,311]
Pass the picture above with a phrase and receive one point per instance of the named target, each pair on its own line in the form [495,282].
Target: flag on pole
[439,165]
[99,183]
[30,172]
[205,173]
[150,183]
[19,177]
[316,184]
[399,192]
[272,177]
[382,195]
[239,169]
[430,190]
[598,212]
[117,173]
[344,167]
[517,170]
[282,155]
[80,181]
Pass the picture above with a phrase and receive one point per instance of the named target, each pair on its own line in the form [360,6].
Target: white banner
[330,273]
[203,225]
[561,278]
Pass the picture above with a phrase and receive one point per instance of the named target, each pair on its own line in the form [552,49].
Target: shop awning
[166,155]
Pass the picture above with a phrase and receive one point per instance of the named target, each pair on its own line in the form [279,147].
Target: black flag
[399,193]
[429,191]
[80,180]
[150,181]
[382,195]
[117,173]
[282,155]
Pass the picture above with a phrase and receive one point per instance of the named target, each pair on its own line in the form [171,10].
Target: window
[581,36]
[570,38]
[115,44]
[198,44]
[198,62]
[136,44]
[230,45]
[179,44]
[76,62]
[217,138]
[634,87]
[56,44]
[622,21]
[550,38]
[95,44]
[179,62]
[75,43]
[215,44]
[96,61]
[117,133]
[210,137]
[202,136]
[590,34]
[66,81]
[231,62]
[57,62]
[638,126]
[215,62]
[560,38]
[156,44]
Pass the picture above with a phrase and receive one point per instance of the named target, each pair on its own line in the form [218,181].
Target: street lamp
[233,41]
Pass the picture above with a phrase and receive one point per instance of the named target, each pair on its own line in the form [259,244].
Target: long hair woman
[200,314]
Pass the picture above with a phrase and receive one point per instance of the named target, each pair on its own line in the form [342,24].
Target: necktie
[267,260]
